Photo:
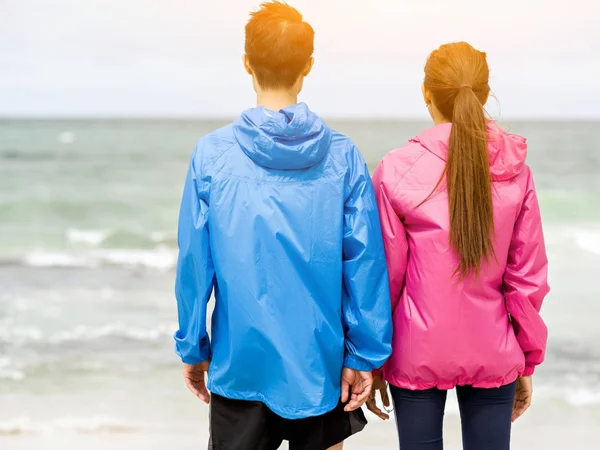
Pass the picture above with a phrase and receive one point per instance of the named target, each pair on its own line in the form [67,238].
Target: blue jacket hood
[291,139]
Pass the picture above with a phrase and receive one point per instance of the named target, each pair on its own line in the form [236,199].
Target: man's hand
[356,388]
[379,386]
[522,397]
[194,379]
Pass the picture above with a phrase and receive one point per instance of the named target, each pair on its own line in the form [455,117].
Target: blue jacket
[279,218]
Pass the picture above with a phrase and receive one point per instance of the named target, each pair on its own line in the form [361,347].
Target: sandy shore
[544,428]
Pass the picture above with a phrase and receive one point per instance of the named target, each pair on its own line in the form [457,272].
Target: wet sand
[545,427]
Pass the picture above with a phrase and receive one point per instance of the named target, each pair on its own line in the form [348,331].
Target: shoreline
[548,425]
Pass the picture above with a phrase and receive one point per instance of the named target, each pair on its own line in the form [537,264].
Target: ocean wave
[162,259]
[119,330]
[545,392]
[88,237]
[82,333]
[161,237]
[583,397]
[92,425]
[126,238]
[588,240]
[9,370]
[55,259]
[18,335]
[578,397]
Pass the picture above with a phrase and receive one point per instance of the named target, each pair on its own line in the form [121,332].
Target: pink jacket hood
[484,331]
[507,152]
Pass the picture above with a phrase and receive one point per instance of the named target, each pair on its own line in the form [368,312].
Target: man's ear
[247,64]
[309,66]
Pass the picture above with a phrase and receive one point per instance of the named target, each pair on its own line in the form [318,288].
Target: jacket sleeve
[394,234]
[366,305]
[525,280]
[195,271]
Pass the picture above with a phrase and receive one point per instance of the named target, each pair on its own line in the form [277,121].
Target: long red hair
[457,76]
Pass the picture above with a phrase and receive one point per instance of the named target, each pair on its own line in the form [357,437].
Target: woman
[467,264]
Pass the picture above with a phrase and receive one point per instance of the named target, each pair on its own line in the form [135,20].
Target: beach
[88,214]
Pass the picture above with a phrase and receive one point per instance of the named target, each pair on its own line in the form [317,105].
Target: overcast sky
[183,57]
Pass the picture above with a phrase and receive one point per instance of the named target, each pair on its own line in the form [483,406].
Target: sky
[160,58]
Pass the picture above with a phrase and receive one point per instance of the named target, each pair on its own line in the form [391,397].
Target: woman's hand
[522,397]
[379,386]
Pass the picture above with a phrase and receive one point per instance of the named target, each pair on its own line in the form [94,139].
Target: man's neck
[276,100]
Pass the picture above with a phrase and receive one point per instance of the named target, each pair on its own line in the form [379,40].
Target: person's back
[460,332]
[279,218]
[467,263]
[276,183]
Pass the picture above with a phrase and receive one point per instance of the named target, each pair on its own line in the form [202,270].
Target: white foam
[588,240]
[89,237]
[20,335]
[66,137]
[583,397]
[84,333]
[55,259]
[161,259]
[28,335]
[91,425]
[158,236]
[9,370]
[587,395]
[13,375]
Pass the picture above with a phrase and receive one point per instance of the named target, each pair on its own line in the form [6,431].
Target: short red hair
[279,44]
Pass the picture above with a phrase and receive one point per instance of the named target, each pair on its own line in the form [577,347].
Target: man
[279,218]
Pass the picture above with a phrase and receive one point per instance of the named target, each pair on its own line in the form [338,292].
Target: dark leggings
[485,415]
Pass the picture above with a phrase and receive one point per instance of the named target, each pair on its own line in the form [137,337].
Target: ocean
[88,215]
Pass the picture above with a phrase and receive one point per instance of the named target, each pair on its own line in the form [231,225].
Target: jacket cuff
[377,372]
[355,363]
[528,371]
[193,355]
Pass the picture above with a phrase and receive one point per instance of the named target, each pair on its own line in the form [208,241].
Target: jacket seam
[394,191]
[259,180]
[218,158]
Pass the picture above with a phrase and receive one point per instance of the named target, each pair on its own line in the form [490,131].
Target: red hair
[279,44]
[456,76]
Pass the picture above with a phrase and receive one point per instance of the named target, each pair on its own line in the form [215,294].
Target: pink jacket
[481,332]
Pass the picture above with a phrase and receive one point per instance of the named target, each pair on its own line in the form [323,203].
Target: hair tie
[465,86]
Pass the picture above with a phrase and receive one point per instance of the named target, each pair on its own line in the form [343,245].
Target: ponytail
[469,184]
[456,80]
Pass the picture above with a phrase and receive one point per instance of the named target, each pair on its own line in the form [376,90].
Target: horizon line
[228,118]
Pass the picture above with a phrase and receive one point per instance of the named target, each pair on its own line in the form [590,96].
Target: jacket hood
[507,152]
[291,139]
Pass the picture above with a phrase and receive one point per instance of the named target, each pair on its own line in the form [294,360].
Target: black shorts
[246,425]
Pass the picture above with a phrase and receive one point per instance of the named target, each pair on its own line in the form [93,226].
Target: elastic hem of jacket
[355,363]
[286,413]
[529,370]
[446,385]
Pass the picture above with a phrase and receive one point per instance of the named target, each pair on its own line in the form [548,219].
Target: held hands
[379,386]
[194,379]
[522,397]
[356,388]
